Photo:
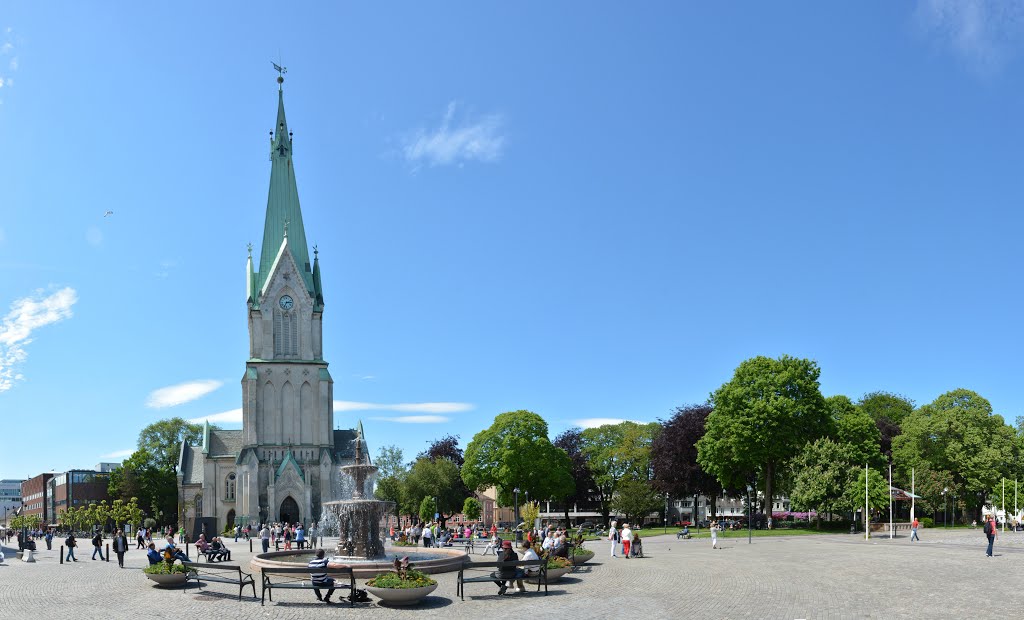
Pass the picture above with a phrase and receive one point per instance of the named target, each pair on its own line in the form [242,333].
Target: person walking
[140,538]
[613,536]
[265,538]
[714,534]
[97,543]
[71,543]
[627,540]
[120,546]
[313,533]
[913,531]
[300,536]
[990,532]
[427,536]
[49,540]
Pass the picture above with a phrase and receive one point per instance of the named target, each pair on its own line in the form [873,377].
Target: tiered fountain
[360,540]
[359,519]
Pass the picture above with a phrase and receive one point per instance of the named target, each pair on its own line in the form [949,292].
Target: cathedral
[284,462]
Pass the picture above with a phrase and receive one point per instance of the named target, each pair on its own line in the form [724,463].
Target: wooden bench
[300,578]
[220,573]
[492,575]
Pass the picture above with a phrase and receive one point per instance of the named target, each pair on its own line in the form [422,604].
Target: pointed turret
[284,217]
[318,291]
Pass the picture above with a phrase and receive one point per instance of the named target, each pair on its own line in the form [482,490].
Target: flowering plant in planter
[163,568]
[403,577]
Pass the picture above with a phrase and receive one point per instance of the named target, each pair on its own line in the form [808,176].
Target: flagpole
[890,502]
[866,525]
[913,492]
[1002,499]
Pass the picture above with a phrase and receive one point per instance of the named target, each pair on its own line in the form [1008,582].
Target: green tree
[471,508]
[617,452]
[390,476]
[822,472]
[957,437]
[529,512]
[636,500]
[142,476]
[877,491]
[162,441]
[516,452]
[886,406]
[427,509]
[436,479]
[760,420]
[856,430]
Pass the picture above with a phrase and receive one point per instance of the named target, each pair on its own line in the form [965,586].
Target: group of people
[627,538]
[287,534]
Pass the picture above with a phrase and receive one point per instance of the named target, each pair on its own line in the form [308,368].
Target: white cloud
[225,417]
[26,315]
[595,422]
[348,405]
[983,33]
[13,64]
[417,419]
[456,143]
[6,47]
[181,393]
[118,455]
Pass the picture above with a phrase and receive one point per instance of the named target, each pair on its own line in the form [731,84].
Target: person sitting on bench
[219,550]
[153,555]
[684,533]
[321,579]
[506,574]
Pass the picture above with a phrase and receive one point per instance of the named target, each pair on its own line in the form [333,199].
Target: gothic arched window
[199,506]
[286,333]
[229,487]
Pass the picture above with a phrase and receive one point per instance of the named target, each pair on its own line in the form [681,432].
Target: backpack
[988,528]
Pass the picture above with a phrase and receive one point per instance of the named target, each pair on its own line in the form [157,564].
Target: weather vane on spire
[286,222]
[280,71]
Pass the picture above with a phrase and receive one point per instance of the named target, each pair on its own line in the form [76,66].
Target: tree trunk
[769,471]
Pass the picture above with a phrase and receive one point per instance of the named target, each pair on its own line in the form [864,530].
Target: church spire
[284,217]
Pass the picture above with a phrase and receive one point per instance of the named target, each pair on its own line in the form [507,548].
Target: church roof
[191,465]
[283,213]
[224,442]
[289,459]
[345,445]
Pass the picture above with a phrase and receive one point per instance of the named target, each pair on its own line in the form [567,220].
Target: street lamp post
[519,535]
[750,531]
[666,513]
[953,510]
[945,506]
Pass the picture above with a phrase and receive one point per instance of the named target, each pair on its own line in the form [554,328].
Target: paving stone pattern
[832,576]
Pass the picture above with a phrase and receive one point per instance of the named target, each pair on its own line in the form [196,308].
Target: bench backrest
[471,564]
[330,570]
[218,566]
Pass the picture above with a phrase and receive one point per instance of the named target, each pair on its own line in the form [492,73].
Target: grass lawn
[704,533]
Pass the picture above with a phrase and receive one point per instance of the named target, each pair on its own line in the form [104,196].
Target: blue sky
[592,211]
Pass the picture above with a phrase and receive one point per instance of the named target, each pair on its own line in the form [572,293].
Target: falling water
[359,519]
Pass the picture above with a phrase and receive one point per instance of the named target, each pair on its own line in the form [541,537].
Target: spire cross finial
[316,252]
[286,228]
[248,246]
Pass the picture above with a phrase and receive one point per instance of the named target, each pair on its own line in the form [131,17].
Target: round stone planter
[401,596]
[166,581]
[583,558]
[554,574]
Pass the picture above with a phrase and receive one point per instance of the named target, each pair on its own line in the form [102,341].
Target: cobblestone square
[830,576]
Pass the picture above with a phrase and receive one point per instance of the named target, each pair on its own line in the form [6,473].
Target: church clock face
[286,302]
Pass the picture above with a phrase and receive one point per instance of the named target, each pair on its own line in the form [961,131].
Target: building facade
[284,462]
[76,488]
[34,494]
[10,497]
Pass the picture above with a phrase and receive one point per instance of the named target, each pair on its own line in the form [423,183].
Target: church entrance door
[289,510]
[231,518]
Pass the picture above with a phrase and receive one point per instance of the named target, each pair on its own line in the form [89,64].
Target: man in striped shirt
[321,579]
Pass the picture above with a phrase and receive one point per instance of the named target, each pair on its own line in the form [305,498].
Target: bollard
[108,552]
[250,545]
[186,549]
[62,554]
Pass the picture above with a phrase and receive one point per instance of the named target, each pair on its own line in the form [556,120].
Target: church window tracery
[286,333]
[229,487]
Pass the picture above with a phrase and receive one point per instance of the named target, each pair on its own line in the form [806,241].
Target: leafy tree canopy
[674,454]
[472,508]
[617,452]
[516,452]
[761,419]
[162,440]
[440,479]
[390,475]
[878,491]
[886,405]
[857,430]
[635,500]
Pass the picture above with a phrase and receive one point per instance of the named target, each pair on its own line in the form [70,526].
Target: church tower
[288,394]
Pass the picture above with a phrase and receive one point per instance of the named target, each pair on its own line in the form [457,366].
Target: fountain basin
[425,560]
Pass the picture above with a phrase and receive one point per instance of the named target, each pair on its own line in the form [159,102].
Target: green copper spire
[284,218]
